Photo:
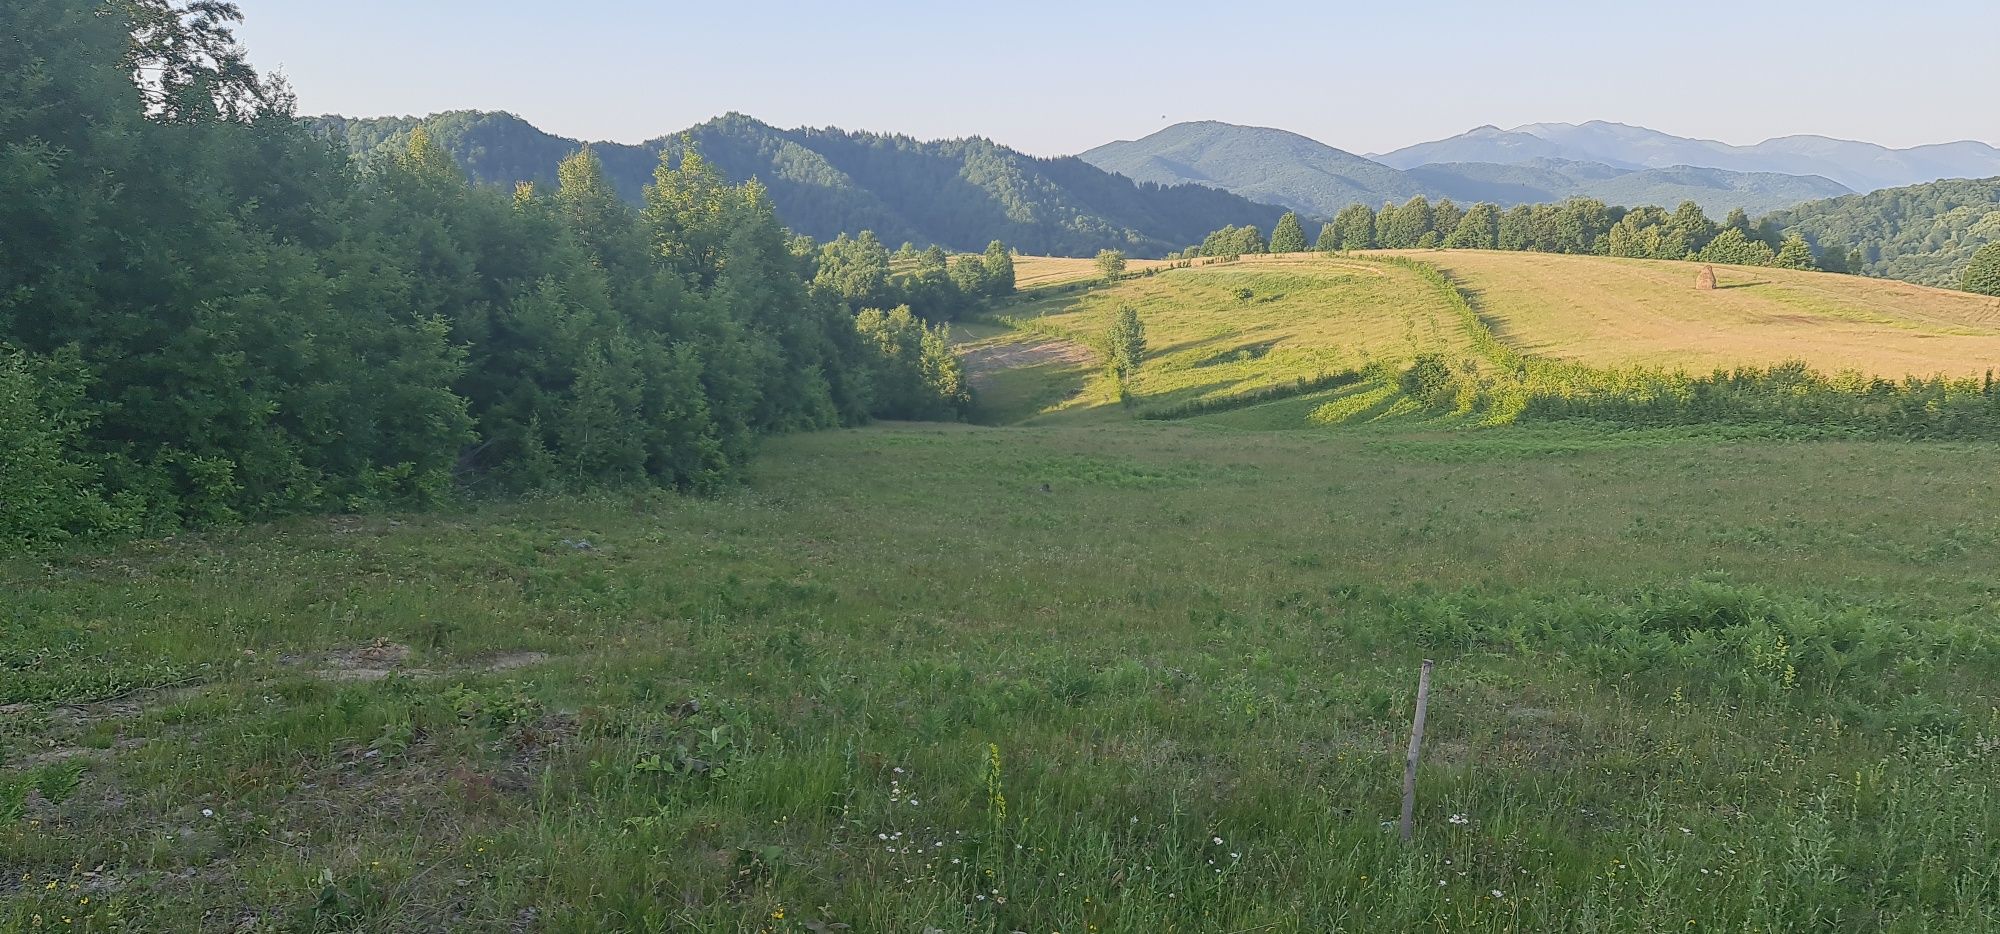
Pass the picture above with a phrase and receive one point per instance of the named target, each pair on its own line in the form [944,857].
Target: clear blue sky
[1053,78]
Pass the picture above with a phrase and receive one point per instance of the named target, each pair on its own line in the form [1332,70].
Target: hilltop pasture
[1623,312]
[1506,326]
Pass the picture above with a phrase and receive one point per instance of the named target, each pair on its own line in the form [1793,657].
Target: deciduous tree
[1288,236]
[1110,264]
[1982,275]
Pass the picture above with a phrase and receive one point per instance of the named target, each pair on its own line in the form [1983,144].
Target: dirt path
[982,361]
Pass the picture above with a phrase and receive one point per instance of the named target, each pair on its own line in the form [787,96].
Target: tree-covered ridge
[208,314]
[825,182]
[1922,233]
[1261,163]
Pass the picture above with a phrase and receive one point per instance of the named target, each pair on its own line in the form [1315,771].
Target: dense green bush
[914,373]
[49,492]
[1430,380]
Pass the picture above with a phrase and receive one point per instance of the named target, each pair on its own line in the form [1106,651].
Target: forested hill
[960,194]
[1921,233]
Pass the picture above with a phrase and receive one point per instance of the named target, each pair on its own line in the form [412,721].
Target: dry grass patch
[1613,312]
[1034,272]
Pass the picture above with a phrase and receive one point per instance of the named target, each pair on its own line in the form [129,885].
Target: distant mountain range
[1281,167]
[1859,166]
[824,182]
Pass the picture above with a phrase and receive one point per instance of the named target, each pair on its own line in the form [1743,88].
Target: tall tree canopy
[1288,236]
[1982,275]
[207,314]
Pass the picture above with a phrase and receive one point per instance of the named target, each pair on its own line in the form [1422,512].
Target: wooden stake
[1416,748]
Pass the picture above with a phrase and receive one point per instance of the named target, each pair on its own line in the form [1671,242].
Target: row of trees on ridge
[1578,225]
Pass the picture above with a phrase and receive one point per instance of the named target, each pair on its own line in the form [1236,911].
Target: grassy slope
[1607,311]
[1015,374]
[1192,636]
[1306,316]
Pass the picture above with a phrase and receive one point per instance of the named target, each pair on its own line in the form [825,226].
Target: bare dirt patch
[382,658]
[982,362]
[513,660]
[372,662]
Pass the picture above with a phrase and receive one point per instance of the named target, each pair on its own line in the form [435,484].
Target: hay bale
[1705,280]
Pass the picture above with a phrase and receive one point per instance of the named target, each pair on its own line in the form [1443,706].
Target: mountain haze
[957,193]
[1285,168]
[1859,166]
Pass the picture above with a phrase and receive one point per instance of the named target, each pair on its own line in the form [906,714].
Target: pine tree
[1329,238]
[1794,254]
[1983,275]
[1288,236]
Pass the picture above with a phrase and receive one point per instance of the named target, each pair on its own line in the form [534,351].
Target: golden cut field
[1605,311]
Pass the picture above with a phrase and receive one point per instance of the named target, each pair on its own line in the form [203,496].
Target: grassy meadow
[1071,671]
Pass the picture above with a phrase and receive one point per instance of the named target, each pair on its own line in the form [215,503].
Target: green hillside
[1260,163]
[824,182]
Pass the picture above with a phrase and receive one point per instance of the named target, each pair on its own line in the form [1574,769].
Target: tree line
[1578,225]
[206,314]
